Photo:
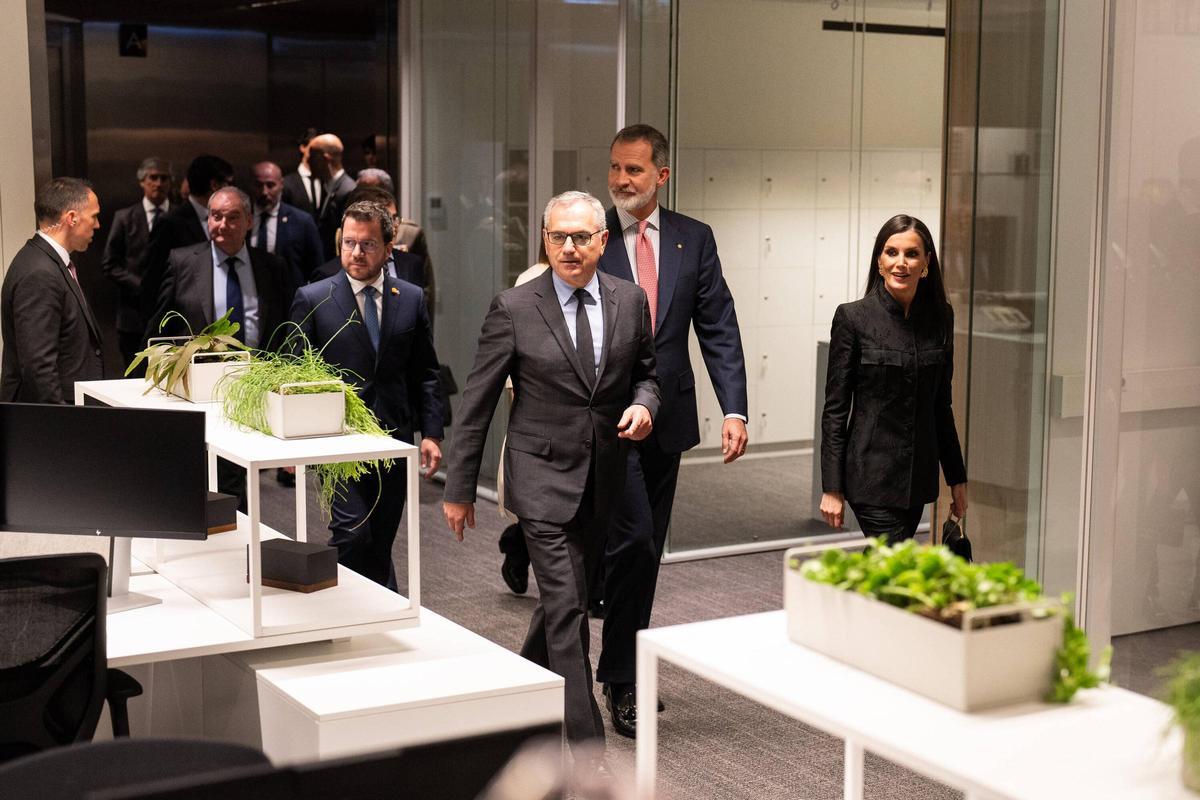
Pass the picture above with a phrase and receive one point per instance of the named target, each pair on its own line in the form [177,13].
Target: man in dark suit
[124,258]
[580,351]
[50,337]
[388,348]
[283,229]
[300,188]
[674,259]
[184,225]
[325,161]
[203,281]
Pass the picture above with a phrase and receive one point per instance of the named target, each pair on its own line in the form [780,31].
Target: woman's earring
[925,273]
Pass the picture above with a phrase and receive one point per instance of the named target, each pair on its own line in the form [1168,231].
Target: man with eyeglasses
[579,348]
[124,259]
[376,328]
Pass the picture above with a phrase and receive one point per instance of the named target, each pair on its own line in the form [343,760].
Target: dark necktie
[314,189]
[371,316]
[584,348]
[233,297]
[262,231]
[155,213]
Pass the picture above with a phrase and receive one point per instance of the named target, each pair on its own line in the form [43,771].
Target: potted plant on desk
[1182,693]
[193,367]
[967,635]
[295,394]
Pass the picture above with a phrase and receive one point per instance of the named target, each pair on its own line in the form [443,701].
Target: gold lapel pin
[395,290]
[679,245]
[283,220]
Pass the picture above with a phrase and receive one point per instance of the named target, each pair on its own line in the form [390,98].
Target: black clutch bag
[954,538]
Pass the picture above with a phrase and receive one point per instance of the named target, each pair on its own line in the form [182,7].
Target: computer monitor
[102,471]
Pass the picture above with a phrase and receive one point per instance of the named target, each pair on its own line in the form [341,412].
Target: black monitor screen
[102,471]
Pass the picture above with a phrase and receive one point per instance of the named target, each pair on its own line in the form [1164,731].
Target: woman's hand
[833,508]
[958,500]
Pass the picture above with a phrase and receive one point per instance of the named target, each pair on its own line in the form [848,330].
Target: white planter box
[205,380]
[300,416]
[966,669]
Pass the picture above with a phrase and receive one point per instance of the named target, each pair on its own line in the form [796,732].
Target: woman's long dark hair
[931,291]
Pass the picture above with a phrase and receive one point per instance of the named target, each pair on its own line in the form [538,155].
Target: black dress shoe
[285,478]
[621,699]
[515,574]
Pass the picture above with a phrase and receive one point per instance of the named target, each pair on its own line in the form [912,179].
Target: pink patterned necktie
[647,275]
[71,269]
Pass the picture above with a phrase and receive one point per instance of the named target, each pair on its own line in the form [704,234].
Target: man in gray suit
[51,338]
[580,350]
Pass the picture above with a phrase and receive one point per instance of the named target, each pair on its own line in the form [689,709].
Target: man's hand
[733,439]
[833,508]
[958,500]
[431,456]
[635,423]
[459,516]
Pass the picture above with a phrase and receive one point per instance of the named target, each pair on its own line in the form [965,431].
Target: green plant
[246,403]
[167,363]
[931,581]
[1182,689]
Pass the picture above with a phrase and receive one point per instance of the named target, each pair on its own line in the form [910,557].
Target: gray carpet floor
[712,742]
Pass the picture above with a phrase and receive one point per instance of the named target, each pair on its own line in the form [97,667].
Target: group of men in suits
[604,405]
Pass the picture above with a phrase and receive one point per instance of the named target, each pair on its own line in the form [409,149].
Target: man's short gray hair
[242,197]
[153,164]
[374,176]
[571,198]
[367,211]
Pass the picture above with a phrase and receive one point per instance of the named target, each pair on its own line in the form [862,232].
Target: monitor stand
[120,560]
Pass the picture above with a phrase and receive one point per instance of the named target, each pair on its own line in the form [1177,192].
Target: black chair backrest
[53,655]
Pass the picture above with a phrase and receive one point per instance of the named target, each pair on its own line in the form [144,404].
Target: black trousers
[563,558]
[364,520]
[632,554]
[897,524]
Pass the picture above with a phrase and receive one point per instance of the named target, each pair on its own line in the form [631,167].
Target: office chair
[54,675]
[121,766]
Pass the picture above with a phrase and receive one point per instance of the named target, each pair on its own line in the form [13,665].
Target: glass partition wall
[798,129]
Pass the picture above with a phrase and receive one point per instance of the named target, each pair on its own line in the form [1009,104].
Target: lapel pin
[679,245]
[403,248]
[395,290]
[283,220]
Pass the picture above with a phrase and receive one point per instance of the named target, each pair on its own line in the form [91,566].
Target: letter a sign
[132,40]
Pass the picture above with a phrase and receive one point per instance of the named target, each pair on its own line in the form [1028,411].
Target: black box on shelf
[298,566]
[221,512]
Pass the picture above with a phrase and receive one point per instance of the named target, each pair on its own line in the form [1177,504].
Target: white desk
[1108,743]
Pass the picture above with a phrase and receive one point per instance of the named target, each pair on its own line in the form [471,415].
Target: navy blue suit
[297,242]
[399,383]
[691,294]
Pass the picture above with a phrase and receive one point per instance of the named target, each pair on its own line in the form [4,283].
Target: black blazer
[888,421]
[400,383]
[187,287]
[562,435]
[691,293]
[179,228]
[51,338]
[297,242]
[295,193]
[124,262]
[333,203]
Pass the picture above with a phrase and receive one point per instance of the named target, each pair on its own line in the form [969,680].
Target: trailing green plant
[931,581]
[246,404]
[1182,689]
[1071,663]
[167,362]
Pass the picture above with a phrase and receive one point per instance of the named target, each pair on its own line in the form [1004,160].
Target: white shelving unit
[219,573]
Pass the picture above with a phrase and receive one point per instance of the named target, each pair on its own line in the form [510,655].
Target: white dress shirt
[149,207]
[59,249]
[358,287]
[245,275]
[567,302]
[311,185]
[272,228]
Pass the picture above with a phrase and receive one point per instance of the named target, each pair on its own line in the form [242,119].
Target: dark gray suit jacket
[124,262]
[556,424]
[329,218]
[187,287]
[51,338]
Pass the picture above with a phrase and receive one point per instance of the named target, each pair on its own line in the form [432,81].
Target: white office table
[1108,743]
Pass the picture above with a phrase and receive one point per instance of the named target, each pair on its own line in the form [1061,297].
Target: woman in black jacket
[887,421]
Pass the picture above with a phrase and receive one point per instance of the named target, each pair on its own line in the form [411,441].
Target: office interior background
[1051,147]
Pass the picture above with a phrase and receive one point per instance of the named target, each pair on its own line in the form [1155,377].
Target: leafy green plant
[246,403]
[167,362]
[1182,693]
[931,581]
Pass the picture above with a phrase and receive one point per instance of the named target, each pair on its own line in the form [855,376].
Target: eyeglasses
[368,246]
[580,239]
